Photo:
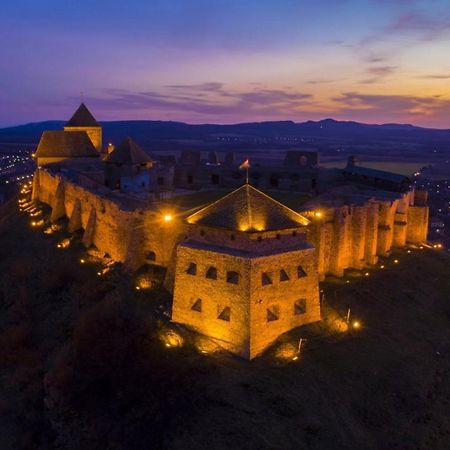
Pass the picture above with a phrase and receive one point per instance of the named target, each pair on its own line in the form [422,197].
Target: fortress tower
[83,120]
[127,167]
[246,274]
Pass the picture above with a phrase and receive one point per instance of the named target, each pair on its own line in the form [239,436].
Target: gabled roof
[71,144]
[375,173]
[82,118]
[248,209]
[128,153]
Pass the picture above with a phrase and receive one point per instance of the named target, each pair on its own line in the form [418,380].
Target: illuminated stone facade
[246,274]
[246,268]
[355,232]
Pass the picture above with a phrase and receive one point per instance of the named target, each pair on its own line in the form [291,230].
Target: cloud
[381,71]
[377,73]
[417,24]
[400,108]
[424,26]
[208,99]
[435,76]
[211,87]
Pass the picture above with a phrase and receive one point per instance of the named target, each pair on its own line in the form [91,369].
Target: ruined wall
[353,236]
[417,224]
[126,235]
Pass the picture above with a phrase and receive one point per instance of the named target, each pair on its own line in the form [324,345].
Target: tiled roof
[248,209]
[128,153]
[72,144]
[82,118]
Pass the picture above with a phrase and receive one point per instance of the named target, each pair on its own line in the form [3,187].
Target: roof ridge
[279,203]
[248,205]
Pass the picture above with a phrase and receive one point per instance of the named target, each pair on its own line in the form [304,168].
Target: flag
[245,164]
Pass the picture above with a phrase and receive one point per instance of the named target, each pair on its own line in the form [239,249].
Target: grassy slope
[386,386]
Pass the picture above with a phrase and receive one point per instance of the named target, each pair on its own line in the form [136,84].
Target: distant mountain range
[324,135]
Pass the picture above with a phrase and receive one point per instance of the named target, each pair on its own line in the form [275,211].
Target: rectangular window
[232,277]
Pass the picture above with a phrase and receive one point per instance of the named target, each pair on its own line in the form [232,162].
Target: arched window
[233,277]
[150,256]
[300,272]
[211,273]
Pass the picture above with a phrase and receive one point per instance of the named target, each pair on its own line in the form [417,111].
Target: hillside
[82,364]
[326,135]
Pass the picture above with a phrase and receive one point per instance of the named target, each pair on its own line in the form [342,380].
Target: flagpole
[246,176]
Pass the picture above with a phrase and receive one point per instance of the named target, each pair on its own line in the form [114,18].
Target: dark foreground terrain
[82,364]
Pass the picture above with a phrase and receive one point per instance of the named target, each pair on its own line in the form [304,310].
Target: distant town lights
[168,217]
[318,214]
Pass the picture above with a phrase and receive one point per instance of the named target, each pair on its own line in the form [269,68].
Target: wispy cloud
[437,76]
[209,99]
[393,107]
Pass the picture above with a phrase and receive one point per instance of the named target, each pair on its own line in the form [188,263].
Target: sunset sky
[227,61]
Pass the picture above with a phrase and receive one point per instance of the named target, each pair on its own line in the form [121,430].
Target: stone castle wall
[274,285]
[127,236]
[281,297]
[351,236]
[258,311]
[232,330]
[354,236]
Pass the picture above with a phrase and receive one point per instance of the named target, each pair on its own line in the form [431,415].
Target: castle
[242,269]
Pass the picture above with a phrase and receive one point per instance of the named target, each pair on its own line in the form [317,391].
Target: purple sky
[225,61]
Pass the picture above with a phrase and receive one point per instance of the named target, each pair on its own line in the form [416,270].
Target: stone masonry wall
[346,237]
[281,296]
[215,295]
[354,236]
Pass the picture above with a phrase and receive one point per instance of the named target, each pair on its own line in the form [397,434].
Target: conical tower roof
[82,118]
[128,153]
[248,209]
